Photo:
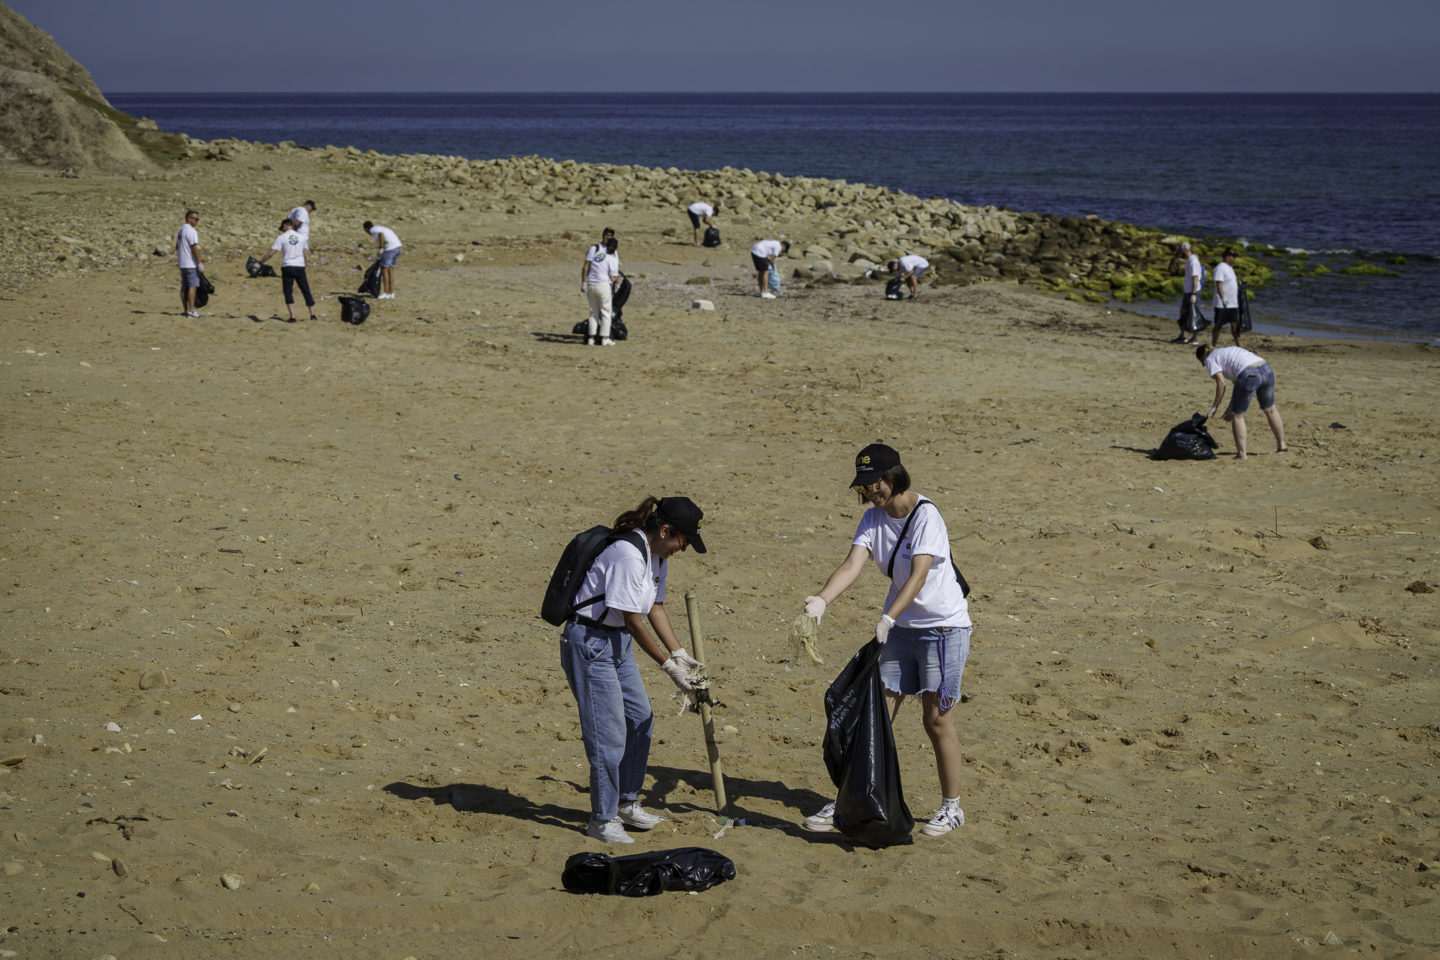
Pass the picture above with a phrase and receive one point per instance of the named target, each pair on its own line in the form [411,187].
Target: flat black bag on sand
[1187,441]
[860,755]
[646,874]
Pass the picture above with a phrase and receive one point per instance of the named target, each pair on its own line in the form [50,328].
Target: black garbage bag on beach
[646,874]
[203,292]
[1244,326]
[257,269]
[1191,319]
[860,756]
[894,290]
[712,237]
[371,284]
[1188,441]
[618,330]
[354,310]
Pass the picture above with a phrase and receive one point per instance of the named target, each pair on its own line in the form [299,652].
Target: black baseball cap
[683,515]
[873,461]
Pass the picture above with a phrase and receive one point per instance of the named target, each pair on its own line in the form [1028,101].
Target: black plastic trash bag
[860,755]
[203,291]
[712,237]
[354,310]
[618,330]
[1192,321]
[646,874]
[371,283]
[894,289]
[255,268]
[1188,441]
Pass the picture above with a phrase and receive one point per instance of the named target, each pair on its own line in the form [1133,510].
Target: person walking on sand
[187,254]
[700,212]
[1192,321]
[625,587]
[598,276]
[292,247]
[763,255]
[1227,299]
[910,269]
[387,247]
[300,217]
[1252,377]
[924,627]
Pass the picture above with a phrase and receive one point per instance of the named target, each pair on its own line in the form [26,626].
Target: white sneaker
[945,820]
[822,821]
[607,342]
[195,313]
[634,815]
[767,295]
[610,831]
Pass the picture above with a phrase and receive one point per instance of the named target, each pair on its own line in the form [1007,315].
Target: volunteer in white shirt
[599,274]
[910,269]
[387,246]
[624,588]
[924,629]
[300,216]
[700,212]
[1227,299]
[1252,377]
[763,255]
[1192,321]
[187,255]
[292,247]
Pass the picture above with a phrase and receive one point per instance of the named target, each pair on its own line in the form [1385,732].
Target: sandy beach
[273,681]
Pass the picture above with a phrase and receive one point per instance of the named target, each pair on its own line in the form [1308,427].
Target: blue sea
[1344,178]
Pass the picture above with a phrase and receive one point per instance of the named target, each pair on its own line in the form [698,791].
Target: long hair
[644,517]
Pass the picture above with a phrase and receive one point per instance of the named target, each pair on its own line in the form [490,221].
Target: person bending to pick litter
[924,627]
[1252,377]
[626,585]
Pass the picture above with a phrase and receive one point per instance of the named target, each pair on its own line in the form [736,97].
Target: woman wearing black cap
[625,586]
[924,627]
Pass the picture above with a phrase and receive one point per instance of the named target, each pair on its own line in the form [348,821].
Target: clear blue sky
[744,45]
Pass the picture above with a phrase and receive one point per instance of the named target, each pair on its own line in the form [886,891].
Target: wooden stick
[702,697]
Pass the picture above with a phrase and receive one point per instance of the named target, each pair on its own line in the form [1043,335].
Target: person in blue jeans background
[1252,377]
[924,627]
[624,588]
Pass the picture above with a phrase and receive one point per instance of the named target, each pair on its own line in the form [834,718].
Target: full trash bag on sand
[646,874]
[1188,441]
[860,755]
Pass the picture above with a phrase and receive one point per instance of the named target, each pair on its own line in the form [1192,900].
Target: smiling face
[669,542]
[876,494]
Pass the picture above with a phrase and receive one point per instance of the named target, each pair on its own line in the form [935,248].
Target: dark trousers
[289,277]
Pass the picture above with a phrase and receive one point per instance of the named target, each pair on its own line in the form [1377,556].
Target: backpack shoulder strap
[890,570]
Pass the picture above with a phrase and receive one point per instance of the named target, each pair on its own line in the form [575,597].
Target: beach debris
[1320,543]
[1331,940]
[153,678]
[802,635]
[1420,586]
[113,727]
[231,881]
[701,305]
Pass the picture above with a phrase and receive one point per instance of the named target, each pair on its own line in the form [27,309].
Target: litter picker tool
[702,698]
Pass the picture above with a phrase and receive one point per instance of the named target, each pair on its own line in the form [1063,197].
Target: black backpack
[578,557]
[354,310]
[712,237]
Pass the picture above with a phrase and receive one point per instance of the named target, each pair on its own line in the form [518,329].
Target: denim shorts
[1258,382]
[388,258]
[929,659]
[189,277]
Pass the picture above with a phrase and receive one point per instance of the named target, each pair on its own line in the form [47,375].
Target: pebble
[232,881]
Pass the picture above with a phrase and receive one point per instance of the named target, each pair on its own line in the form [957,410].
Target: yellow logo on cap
[861,460]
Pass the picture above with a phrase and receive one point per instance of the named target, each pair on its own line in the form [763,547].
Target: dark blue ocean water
[1346,177]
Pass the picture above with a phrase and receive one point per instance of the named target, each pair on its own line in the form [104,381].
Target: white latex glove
[1213,408]
[679,675]
[882,629]
[815,608]
[690,664]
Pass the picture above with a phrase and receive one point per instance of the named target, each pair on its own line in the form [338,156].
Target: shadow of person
[545,336]
[482,798]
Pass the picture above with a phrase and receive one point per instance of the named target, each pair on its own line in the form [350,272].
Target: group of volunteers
[923,630]
[599,276]
[1226,300]
[293,244]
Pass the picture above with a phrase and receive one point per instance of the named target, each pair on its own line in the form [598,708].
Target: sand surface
[297,568]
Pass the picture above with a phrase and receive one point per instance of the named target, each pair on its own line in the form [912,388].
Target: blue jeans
[1258,382]
[615,715]
[925,660]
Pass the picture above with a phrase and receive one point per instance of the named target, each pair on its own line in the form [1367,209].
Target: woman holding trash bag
[624,587]
[1252,377]
[924,628]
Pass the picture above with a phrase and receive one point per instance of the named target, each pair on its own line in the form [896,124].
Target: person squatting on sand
[1192,321]
[924,628]
[700,212]
[599,274]
[387,247]
[187,254]
[763,255]
[910,269]
[1252,377]
[292,247]
[1227,298]
[625,586]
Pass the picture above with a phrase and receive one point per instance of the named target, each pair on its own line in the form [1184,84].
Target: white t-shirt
[630,580]
[913,262]
[183,240]
[603,265]
[1227,286]
[940,602]
[1194,275]
[301,216]
[767,248]
[392,242]
[702,209]
[1230,361]
[291,246]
